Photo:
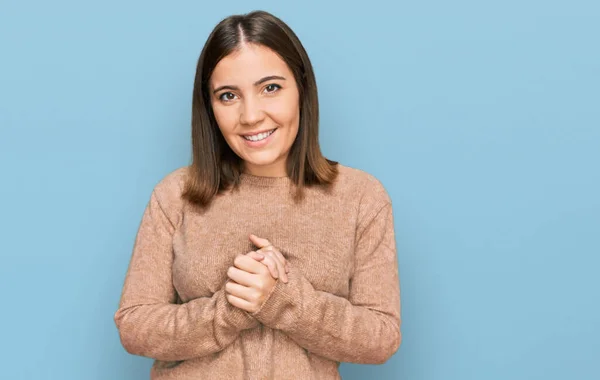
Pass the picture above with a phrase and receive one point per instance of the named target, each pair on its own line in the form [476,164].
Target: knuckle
[266,262]
[266,270]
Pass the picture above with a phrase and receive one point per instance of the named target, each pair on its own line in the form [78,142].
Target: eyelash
[277,88]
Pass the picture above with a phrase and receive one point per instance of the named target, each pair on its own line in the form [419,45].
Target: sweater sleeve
[149,320]
[365,328]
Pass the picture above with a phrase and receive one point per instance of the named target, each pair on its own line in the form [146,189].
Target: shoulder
[364,186]
[171,185]
[167,192]
[366,192]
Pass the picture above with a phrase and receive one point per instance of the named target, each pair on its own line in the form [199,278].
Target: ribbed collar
[254,180]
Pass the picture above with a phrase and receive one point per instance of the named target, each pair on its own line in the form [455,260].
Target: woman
[262,259]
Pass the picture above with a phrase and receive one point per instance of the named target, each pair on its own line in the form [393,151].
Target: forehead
[248,64]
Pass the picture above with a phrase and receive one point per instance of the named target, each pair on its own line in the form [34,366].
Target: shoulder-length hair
[215,167]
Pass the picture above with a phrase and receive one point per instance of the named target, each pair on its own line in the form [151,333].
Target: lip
[261,143]
[257,132]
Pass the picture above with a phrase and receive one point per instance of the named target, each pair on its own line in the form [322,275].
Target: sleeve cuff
[281,309]
[238,318]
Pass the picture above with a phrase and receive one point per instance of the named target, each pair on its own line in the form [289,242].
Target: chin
[264,163]
[262,158]
[261,162]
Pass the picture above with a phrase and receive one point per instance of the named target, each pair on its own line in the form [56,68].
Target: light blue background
[482,119]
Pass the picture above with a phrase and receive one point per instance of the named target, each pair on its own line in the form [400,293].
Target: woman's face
[255,101]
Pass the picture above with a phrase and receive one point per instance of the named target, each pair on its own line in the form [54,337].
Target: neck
[276,170]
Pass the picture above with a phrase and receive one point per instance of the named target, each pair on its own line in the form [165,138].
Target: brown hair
[215,167]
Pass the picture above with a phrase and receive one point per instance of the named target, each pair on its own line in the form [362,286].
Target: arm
[365,328]
[149,322]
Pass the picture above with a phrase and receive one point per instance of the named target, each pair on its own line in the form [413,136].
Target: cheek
[225,117]
[286,114]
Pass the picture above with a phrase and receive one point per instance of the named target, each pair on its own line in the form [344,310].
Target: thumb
[259,242]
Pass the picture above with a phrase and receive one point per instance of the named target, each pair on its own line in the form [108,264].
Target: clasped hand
[253,276]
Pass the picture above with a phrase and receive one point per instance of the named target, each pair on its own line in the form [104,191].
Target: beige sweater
[341,304]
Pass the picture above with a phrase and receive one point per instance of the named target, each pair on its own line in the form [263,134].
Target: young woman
[262,259]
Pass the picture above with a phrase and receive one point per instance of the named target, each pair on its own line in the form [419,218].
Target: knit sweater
[340,304]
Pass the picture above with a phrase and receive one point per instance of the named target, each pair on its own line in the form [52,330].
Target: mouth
[259,136]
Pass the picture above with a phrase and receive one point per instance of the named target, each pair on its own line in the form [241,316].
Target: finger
[272,265]
[256,255]
[259,242]
[283,260]
[239,291]
[280,266]
[279,254]
[275,251]
[240,276]
[248,264]
[240,303]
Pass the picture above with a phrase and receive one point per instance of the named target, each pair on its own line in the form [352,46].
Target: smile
[260,136]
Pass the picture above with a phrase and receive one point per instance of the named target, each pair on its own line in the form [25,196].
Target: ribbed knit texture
[341,304]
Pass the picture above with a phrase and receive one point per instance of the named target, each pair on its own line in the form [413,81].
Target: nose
[251,112]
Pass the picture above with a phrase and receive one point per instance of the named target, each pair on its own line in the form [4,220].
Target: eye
[272,88]
[227,96]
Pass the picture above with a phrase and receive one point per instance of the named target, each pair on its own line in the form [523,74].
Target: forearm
[166,331]
[330,326]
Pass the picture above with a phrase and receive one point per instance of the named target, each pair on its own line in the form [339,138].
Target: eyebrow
[258,82]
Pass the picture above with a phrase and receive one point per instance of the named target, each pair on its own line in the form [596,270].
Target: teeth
[260,136]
